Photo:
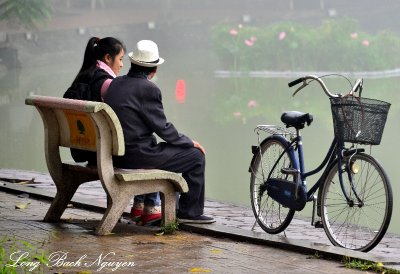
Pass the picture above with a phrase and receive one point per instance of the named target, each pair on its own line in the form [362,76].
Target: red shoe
[151,214]
[137,211]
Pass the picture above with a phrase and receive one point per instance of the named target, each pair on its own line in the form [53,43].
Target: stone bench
[93,126]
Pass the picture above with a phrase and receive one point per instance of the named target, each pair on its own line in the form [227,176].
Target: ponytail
[96,49]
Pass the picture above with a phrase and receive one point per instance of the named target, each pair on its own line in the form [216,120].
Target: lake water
[220,113]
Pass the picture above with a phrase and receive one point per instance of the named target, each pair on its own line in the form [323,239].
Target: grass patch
[170,228]
[20,256]
[367,266]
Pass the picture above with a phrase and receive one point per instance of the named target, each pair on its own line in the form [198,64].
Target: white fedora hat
[146,54]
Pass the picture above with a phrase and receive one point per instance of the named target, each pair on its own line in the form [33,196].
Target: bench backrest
[79,124]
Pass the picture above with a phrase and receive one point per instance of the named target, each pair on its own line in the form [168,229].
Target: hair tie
[96,42]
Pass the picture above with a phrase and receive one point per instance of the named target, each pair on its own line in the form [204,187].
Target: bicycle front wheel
[357,224]
[271,216]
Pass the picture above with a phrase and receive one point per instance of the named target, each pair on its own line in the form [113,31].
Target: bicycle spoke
[358,225]
[271,216]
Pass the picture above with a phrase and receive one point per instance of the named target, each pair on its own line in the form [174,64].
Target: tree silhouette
[26,13]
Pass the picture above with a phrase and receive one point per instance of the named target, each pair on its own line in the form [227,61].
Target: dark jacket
[138,105]
[88,85]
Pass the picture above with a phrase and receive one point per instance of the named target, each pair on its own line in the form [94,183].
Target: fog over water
[220,112]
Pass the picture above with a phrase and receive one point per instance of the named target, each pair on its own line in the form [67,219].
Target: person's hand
[197,145]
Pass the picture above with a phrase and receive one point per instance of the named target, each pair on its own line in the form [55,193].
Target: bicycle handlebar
[357,85]
[295,82]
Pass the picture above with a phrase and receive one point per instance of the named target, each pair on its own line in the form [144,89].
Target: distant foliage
[26,13]
[336,45]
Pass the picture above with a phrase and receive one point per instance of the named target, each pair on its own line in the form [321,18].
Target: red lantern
[180,91]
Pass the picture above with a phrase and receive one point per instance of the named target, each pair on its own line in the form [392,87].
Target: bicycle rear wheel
[354,225]
[271,216]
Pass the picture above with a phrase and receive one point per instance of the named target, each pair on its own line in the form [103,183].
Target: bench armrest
[126,175]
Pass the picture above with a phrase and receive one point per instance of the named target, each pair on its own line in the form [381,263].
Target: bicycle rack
[275,130]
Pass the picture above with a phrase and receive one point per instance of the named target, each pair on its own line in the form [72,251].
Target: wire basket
[359,120]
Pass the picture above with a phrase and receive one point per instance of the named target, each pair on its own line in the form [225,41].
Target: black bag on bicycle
[284,192]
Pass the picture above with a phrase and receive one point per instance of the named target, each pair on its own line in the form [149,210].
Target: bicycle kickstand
[316,224]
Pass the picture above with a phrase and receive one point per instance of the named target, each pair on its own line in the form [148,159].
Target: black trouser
[191,163]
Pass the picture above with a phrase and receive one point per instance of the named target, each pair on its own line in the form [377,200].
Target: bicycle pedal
[318,224]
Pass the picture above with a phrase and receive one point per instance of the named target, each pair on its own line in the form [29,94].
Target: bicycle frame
[330,157]
[352,197]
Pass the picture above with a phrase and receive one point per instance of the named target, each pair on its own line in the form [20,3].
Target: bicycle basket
[359,120]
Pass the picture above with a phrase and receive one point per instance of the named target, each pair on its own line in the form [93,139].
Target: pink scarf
[107,82]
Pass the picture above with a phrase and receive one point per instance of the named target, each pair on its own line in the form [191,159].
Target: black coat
[87,86]
[138,105]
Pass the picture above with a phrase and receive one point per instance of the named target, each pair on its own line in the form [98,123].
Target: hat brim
[145,64]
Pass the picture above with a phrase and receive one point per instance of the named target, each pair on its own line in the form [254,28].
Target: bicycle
[352,197]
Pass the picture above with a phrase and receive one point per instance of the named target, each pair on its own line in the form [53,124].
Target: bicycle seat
[296,119]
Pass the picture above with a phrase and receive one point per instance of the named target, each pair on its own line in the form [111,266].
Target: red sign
[180,91]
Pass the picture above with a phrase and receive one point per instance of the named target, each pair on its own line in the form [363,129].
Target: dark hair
[96,49]
[140,69]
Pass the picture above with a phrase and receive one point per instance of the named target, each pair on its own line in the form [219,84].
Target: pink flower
[354,35]
[233,32]
[252,104]
[237,114]
[365,43]
[282,35]
[253,38]
[249,42]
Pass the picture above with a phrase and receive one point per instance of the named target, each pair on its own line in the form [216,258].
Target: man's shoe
[196,220]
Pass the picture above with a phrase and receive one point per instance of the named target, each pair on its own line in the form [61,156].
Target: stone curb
[302,246]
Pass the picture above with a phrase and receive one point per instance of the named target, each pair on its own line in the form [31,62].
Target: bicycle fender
[334,163]
[330,166]
[256,149]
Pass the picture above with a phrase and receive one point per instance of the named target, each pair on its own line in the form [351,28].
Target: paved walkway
[72,248]
[233,222]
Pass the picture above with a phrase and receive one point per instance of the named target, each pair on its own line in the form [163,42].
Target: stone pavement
[72,248]
[233,222]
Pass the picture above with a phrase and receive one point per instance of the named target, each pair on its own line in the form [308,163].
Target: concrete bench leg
[115,208]
[66,188]
[168,205]
[60,203]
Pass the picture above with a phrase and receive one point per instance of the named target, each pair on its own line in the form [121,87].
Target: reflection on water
[219,113]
